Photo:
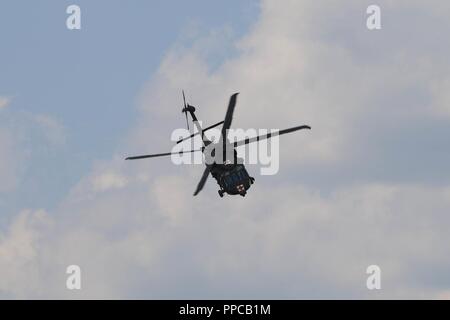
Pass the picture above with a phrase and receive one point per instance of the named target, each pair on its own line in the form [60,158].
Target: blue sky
[88,80]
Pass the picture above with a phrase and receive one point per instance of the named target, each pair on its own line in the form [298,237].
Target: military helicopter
[224,165]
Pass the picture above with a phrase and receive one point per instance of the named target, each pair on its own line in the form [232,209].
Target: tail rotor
[185,110]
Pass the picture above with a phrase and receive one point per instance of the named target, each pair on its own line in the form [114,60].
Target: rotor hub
[188,108]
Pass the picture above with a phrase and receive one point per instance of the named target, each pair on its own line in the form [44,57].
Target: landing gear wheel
[220,193]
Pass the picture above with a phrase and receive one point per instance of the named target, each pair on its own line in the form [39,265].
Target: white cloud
[286,242]
[4,101]
[20,252]
[108,181]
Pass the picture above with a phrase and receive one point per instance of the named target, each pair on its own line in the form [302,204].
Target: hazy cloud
[107,181]
[4,102]
[20,254]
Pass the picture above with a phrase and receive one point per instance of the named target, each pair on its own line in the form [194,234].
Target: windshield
[235,177]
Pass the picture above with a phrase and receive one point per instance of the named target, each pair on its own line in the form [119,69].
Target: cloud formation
[366,186]
[4,102]
[23,136]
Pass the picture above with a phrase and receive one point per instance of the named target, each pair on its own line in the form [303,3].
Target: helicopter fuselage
[232,178]
[231,175]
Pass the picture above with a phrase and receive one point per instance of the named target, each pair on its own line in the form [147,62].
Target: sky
[369,184]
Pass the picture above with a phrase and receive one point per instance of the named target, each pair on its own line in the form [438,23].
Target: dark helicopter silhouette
[222,161]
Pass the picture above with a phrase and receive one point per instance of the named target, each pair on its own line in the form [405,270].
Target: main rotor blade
[202,182]
[187,121]
[197,133]
[229,115]
[160,154]
[268,136]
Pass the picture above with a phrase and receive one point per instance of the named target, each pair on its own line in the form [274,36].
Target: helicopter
[223,163]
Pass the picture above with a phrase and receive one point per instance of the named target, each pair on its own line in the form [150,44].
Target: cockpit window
[237,176]
[228,181]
